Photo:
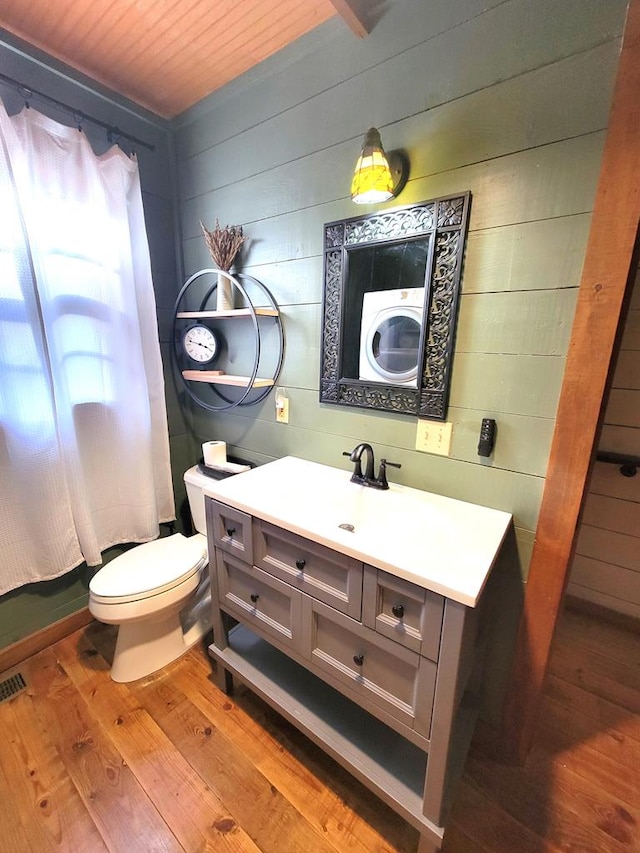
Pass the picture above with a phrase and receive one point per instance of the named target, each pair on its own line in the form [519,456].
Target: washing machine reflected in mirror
[391,286]
[390,337]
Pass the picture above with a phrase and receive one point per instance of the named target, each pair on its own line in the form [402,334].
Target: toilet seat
[150,569]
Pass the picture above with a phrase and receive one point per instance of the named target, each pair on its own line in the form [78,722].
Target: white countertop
[442,544]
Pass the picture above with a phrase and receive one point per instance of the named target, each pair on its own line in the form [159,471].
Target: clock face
[200,343]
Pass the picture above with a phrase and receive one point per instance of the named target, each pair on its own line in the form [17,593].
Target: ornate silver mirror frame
[440,227]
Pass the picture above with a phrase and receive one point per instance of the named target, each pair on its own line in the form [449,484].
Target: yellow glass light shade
[372,180]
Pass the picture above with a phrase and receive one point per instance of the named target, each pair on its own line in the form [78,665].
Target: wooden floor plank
[320,790]
[555,802]
[616,681]
[455,841]
[602,786]
[603,715]
[318,787]
[265,813]
[223,773]
[583,631]
[567,727]
[372,826]
[197,818]
[485,821]
[117,803]
[607,814]
[41,809]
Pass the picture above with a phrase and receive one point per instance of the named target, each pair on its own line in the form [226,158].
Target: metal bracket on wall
[628,464]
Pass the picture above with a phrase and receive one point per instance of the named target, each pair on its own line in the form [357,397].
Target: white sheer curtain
[84,449]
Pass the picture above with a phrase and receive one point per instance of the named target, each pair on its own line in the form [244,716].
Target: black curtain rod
[113,133]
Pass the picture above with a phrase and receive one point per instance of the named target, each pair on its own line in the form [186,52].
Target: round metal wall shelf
[255,385]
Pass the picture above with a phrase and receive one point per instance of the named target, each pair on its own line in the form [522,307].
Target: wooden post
[608,263]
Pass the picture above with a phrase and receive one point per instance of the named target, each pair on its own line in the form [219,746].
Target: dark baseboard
[605,614]
[14,654]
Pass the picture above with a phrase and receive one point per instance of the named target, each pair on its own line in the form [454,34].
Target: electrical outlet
[282,411]
[434,437]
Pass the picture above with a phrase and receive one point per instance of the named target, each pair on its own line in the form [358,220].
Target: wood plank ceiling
[167,54]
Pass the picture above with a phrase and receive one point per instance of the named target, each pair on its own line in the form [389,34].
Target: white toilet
[158,593]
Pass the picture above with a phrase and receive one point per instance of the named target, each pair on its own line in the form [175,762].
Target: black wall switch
[488,431]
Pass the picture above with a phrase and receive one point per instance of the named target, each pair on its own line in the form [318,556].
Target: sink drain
[346,526]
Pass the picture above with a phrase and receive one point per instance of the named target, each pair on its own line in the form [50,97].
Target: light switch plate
[434,437]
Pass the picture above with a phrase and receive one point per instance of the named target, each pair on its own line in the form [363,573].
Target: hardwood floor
[169,763]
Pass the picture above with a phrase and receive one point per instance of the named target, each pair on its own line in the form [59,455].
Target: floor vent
[12,685]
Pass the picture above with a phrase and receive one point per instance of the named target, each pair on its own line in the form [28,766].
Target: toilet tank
[195,482]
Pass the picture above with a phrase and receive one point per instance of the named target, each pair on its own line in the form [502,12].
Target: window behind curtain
[83,441]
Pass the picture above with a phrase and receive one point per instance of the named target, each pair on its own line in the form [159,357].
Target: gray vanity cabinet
[402,611]
[381,675]
[374,669]
[323,573]
[232,531]
[260,600]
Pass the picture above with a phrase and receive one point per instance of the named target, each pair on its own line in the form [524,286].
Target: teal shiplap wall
[26,610]
[506,99]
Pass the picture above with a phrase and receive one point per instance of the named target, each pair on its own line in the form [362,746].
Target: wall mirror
[391,284]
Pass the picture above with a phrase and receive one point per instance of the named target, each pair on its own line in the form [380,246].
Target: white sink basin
[442,544]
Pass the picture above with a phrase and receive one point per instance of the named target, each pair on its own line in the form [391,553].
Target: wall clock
[200,343]
[202,334]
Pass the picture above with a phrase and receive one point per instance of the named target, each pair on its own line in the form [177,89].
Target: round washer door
[392,344]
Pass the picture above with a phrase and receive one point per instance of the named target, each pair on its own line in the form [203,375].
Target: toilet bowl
[158,594]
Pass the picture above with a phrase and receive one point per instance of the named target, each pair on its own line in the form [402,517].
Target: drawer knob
[398,611]
[230,531]
[358,660]
[254,597]
[300,564]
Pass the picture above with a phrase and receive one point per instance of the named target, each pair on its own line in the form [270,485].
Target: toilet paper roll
[214,452]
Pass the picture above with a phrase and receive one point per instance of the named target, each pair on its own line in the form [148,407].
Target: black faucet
[368,479]
[355,456]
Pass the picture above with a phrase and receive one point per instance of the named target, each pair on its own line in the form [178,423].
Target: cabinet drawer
[232,531]
[381,673]
[402,611]
[259,600]
[318,571]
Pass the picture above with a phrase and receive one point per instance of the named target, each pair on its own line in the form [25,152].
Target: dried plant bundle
[223,244]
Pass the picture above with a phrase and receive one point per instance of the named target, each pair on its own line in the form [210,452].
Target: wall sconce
[378,176]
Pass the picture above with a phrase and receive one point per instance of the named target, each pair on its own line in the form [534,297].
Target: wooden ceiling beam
[351,13]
